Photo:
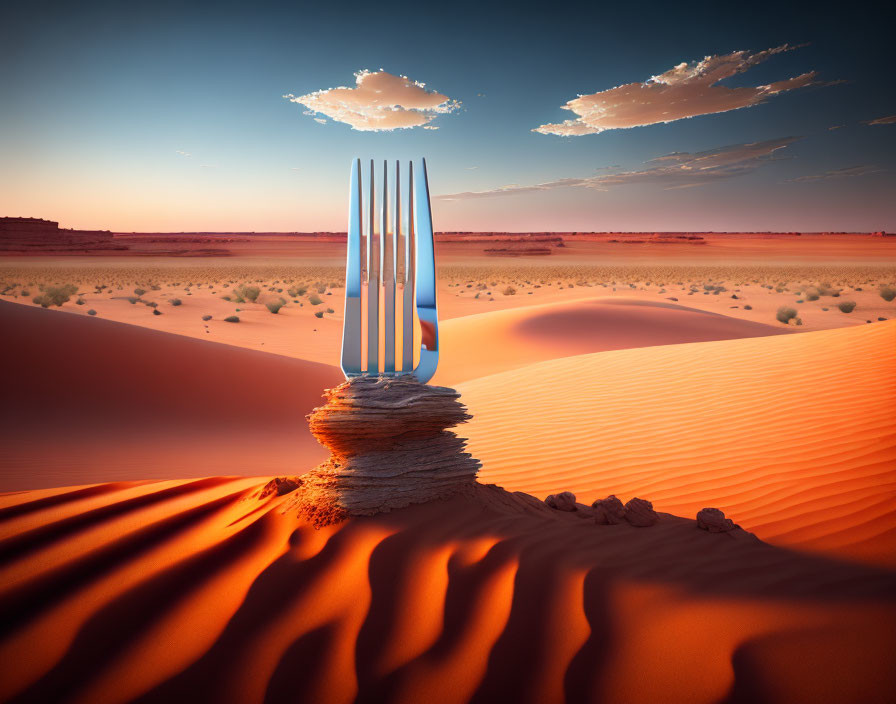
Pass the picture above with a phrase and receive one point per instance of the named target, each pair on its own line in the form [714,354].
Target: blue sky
[100,98]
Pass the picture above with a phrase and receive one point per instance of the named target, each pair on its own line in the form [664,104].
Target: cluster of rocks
[390,447]
[637,512]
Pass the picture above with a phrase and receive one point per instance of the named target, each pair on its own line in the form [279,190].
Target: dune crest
[516,337]
[790,435]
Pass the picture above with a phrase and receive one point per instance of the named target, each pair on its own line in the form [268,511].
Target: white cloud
[687,90]
[673,171]
[182,153]
[379,101]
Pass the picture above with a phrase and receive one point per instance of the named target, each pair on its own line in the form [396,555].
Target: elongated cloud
[679,170]
[888,120]
[379,101]
[848,172]
[687,90]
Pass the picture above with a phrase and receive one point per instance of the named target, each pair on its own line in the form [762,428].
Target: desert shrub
[249,293]
[131,299]
[748,307]
[206,317]
[55,295]
[156,311]
[785,314]
[319,314]
[888,293]
[509,291]
[176,302]
[296,291]
[91,312]
[330,310]
[232,319]
[846,306]
[80,302]
[812,294]
[315,300]
[139,291]
[274,306]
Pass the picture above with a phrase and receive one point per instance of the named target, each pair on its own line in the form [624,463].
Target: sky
[223,116]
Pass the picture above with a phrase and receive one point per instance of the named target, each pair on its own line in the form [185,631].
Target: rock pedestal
[390,447]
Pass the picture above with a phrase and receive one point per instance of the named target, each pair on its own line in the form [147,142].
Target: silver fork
[380,270]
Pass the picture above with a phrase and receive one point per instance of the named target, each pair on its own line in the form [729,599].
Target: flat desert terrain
[141,558]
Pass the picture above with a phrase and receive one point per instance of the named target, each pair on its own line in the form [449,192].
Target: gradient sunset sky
[220,117]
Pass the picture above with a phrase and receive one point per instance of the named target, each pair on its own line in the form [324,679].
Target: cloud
[379,101]
[888,120]
[838,173]
[182,153]
[672,171]
[687,90]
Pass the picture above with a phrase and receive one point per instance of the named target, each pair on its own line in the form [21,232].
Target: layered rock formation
[390,447]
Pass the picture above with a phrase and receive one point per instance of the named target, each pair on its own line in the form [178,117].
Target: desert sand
[139,560]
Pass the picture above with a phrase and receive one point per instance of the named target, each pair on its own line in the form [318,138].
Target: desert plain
[150,398]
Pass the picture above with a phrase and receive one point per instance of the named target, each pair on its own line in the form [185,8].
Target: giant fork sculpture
[380,268]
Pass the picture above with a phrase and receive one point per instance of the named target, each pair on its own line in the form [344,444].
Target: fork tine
[351,326]
[373,285]
[388,276]
[426,279]
[407,298]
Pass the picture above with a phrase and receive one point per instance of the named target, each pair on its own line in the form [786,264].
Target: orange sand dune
[793,436]
[89,400]
[199,591]
[496,341]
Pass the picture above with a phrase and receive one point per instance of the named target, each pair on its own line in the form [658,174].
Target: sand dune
[793,436]
[198,590]
[88,400]
[512,338]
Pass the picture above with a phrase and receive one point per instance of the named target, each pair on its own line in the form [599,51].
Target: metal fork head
[398,261]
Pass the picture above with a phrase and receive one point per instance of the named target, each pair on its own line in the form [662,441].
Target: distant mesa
[34,235]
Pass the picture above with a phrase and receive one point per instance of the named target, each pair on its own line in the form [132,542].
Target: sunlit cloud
[687,90]
[379,101]
[672,171]
[847,172]
[888,120]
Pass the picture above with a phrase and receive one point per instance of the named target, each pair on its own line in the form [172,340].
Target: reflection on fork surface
[393,261]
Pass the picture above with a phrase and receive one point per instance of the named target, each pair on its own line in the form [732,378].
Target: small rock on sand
[713,520]
[608,511]
[639,512]
[564,501]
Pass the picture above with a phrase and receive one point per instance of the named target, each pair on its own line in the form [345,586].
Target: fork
[377,265]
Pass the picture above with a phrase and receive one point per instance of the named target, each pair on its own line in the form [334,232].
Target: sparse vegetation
[315,300]
[319,314]
[274,306]
[91,312]
[176,302]
[888,293]
[55,295]
[206,317]
[509,291]
[245,293]
[846,306]
[232,319]
[785,314]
